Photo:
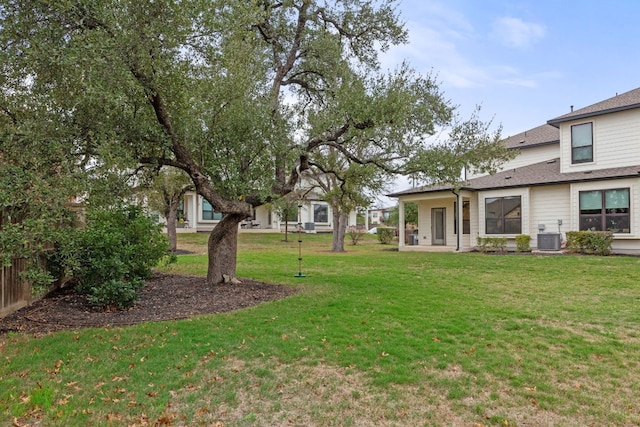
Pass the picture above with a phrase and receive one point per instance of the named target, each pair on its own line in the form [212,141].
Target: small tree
[345,186]
[165,194]
[287,210]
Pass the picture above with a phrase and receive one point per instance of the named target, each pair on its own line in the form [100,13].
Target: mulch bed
[164,297]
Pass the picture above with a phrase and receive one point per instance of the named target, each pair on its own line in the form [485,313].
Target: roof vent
[586,172]
[507,177]
[572,108]
[522,142]
[551,161]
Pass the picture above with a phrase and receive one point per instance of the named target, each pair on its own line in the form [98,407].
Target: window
[605,210]
[320,213]
[502,215]
[208,213]
[180,212]
[582,143]
[466,218]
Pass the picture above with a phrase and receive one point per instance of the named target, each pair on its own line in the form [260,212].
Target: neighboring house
[315,215]
[379,216]
[580,171]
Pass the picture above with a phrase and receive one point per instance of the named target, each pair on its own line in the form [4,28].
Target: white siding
[548,205]
[616,142]
[528,156]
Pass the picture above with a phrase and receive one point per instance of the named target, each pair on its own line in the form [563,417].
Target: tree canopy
[238,95]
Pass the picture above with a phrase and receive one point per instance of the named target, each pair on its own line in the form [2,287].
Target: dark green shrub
[114,293]
[386,234]
[112,256]
[523,243]
[590,242]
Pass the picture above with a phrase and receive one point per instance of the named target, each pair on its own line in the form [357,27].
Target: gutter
[458,205]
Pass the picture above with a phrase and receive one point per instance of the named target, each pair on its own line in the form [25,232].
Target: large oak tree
[237,94]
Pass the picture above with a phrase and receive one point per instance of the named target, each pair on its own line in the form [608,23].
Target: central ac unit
[549,242]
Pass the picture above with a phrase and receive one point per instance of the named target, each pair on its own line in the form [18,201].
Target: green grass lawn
[374,337]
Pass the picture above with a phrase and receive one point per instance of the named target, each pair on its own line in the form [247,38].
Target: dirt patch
[164,297]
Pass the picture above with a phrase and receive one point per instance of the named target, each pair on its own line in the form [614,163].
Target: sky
[524,62]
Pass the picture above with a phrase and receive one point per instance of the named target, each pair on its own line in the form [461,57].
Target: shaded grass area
[376,337]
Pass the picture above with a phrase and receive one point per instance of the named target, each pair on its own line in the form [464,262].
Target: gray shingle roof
[624,101]
[541,135]
[543,173]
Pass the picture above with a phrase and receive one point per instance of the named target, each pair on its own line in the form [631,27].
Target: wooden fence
[15,293]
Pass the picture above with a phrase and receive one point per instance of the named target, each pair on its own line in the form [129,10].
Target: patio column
[459,231]
[193,210]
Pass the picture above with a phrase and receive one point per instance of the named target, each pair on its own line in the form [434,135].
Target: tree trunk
[223,248]
[286,231]
[339,229]
[171,218]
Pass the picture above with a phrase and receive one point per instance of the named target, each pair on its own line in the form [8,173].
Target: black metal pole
[299,241]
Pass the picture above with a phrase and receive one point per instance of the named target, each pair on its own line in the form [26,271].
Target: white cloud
[445,53]
[514,32]
[433,47]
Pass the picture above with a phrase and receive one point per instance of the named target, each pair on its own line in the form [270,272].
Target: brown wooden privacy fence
[15,293]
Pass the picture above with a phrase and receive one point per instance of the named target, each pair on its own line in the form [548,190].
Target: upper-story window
[582,143]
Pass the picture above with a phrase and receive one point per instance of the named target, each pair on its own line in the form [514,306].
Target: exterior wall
[616,142]
[266,218]
[533,155]
[526,157]
[548,205]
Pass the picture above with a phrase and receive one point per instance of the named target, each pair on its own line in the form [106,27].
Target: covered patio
[439,214]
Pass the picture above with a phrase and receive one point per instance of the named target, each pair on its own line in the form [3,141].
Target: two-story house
[579,171]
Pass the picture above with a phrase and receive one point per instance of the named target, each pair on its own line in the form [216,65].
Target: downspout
[458,222]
